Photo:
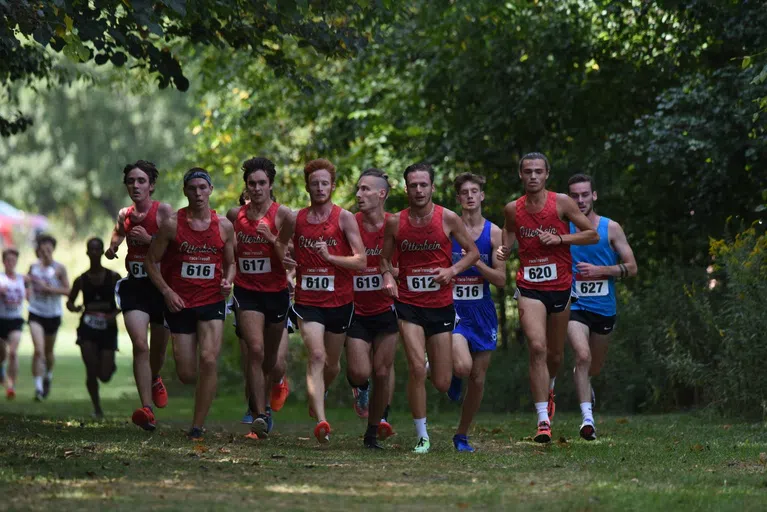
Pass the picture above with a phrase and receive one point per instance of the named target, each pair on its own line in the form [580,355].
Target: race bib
[422,284]
[321,283]
[136,269]
[255,265]
[468,288]
[541,273]
[95,322]
[592,288]
[198,270]
[368,283]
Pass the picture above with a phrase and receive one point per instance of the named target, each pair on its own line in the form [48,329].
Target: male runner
[260,287]
[328,248]
[48,282]
[97,332]
[475,337]
[141,303]
[12,294]
[196,248]
[371,341]
[537,221]
[424,295]
[592,318]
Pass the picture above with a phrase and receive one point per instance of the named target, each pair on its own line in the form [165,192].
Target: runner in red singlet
[371,341]
[140,301]
[424,296]
[328,248]
[260,286]
[196,249]
[544,279]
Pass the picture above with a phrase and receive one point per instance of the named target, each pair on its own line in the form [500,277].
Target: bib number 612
[422,284]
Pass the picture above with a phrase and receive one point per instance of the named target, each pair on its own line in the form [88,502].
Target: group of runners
[352,283]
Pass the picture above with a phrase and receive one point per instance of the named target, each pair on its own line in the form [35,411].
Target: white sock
[420,428]
[551,384]
[39,384]
[541,408]
[586,412]
[49,375]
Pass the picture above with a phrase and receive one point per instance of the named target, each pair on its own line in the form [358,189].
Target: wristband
[385,271]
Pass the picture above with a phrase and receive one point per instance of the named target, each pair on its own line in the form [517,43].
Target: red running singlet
[258,267]
[193,262]
[369,296]
[423,251]
[318,283]
[134,261]
[542,267]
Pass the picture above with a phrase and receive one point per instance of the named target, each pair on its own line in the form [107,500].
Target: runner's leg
[474,391]
[209,336]
[251,325]
[12,370]
[136,323]
[90,354]
[313,334]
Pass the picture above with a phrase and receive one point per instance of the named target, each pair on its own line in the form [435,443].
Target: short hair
[420,167]
[317,165]
[259,164]
[376,173]
[468,176]
[148,167]
[95,239]
[535,156]
[10,250]
[580,178]
[45,238]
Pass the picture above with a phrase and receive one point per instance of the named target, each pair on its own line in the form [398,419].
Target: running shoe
[551,407]
[195,434]
[588,431]
[371,443]
[97,416]
[544,433]
[247,418]
[159,393]
[46,387]
[454,391]
[10,394]
[461,443]
[39,396]
[144,418]
[260,427]
[385,430]
[322,432]
[269,420]
[279,394]
[361,401]
[423,445]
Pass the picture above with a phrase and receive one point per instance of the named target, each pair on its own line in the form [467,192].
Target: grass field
[52,455]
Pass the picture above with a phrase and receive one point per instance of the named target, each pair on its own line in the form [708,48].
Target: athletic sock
[541,408]
[385,416]
[49,375]
[551,384]
[372,431]
[586,412]
[420,427]
[39,384]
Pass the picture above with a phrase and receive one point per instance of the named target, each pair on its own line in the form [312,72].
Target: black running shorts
[185,321]
[366,328]
[140,294]
[335,320]
[433,320]
[555,301]
[273,305]
[597,324]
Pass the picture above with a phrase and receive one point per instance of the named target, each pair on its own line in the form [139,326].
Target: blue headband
[197,174]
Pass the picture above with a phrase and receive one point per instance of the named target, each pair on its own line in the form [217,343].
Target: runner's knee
[462,369]
[317,357]
[441,382]
[357,376]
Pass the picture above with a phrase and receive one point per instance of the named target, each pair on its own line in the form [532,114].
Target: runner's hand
[289,263]
[444,276]
[503,253]
[547,238]
[589,270]
[74,309]
[174,302]
[390,285]
[139,234]
[226,287]
[322,249]
[263,230]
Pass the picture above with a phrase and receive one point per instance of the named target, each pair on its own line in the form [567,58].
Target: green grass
[52,455]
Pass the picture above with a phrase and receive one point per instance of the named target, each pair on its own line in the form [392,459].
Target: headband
[197,174]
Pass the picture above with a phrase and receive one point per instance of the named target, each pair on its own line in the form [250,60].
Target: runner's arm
[157,248]
[387,253]
[496,272]
[287,220]
[586,234]
[118,235]
[508,232]
[73,297]
[351,230]
[61,270]
[626,268]
[229,266]
[457,230]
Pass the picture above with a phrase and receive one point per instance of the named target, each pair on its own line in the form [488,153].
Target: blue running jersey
[595,295]
[478,321]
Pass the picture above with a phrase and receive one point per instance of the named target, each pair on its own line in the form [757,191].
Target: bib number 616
[197,270]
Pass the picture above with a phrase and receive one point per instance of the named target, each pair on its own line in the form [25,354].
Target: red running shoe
[322,432]
[280,392]
[544,433]
[159,393]
[385,430]
[10,393]
[144,418]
